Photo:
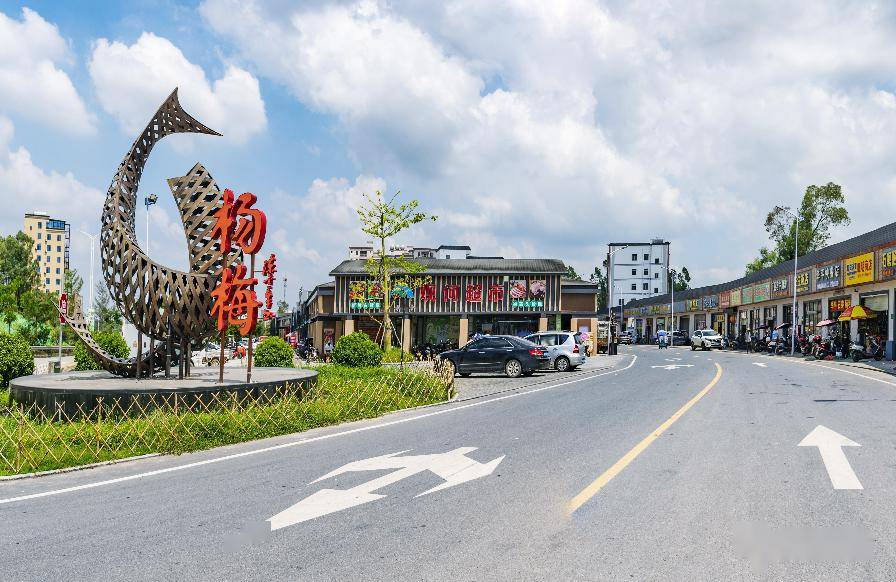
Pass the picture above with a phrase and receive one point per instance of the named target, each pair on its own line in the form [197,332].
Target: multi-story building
[51,248]
[412,252]
[637,270]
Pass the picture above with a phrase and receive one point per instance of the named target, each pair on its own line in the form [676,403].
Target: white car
[209,355]
[706,339]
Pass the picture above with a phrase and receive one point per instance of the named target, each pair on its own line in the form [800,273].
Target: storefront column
[349,325]
[542,323]
[317,335]
[463,331]
[854,324]
[406,334]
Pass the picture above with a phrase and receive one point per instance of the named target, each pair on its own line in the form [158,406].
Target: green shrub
[273,352]
[357,350]
[16,358]
[394,355]
[111,341]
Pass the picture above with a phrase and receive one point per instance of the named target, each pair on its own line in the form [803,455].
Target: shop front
[836,307]
[811,316]
[877,326]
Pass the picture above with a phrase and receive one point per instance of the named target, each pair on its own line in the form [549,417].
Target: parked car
[706,339]
[209,355]
[626,337]
[680,338]
[565,349]
[512,355]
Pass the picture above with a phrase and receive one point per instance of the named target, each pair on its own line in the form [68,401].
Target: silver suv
[706,339]
[565,348]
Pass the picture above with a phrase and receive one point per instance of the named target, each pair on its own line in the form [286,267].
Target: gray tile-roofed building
[454,247]
[842,250]
[433,266]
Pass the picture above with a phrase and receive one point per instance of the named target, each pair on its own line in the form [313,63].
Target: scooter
[858,352]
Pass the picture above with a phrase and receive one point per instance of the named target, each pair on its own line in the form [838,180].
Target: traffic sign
[63,307]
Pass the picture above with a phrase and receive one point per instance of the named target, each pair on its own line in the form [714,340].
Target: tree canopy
[822,209]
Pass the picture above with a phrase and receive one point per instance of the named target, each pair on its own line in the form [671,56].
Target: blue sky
[532,129]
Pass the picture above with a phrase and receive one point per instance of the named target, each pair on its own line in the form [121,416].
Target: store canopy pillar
[543,323]
[406,333]
[349,325]
[463,331]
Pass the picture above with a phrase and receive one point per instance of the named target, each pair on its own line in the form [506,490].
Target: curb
[78,468]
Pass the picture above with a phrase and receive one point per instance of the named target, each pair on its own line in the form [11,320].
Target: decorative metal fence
[33,439]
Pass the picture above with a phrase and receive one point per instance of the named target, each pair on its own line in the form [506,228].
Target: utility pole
[91,312]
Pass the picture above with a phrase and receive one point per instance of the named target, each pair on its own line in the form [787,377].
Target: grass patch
[29,443]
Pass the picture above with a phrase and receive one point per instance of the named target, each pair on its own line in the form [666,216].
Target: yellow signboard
[859,269]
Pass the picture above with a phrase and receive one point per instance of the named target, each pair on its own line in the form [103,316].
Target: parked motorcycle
[859,352]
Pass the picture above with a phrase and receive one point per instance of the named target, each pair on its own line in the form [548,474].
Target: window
[447,256]
[40,225]
[57,270]
[656,290]
[656,261]
[38,260]
[634,271]
[646,257]
[58,237]
[634,286]
[646,272]
[48,280]
[634,256]
[38,236]
[57,281]
[496,343]
[656,275]
[38,246]
[477,345]
[58,259]
[549,340]
[58,249]
[48,269]
[646,287]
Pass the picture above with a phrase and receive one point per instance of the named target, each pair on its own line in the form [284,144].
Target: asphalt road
[680,466]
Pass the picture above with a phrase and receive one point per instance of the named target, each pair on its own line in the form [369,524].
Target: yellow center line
[598,484]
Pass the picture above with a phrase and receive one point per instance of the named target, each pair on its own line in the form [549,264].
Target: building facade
[637,271]
[51,238]
[362,252]
[858,271]
[452,299]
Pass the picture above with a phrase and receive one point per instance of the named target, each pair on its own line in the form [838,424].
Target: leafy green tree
[19,275]
[822,208]
[111,341]
[357,350]
[571,272]
[72,283]
[273,352]
[108,318]
[383,219]
[679,280]
[282,307]
[598,277]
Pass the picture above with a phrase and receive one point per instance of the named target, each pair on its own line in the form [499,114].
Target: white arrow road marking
[674,366]
[673,359]
[454,467]
[760,364]
[830,444]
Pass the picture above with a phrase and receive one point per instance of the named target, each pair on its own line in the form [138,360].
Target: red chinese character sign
[428,292]
[238,223]
[451,293]
[496,293]
[474,293]
[268,270]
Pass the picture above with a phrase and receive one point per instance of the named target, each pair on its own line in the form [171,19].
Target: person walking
[748,338]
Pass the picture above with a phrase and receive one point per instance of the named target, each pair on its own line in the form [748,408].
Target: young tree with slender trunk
[383,219]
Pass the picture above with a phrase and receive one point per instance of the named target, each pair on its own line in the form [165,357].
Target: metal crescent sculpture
[157,300]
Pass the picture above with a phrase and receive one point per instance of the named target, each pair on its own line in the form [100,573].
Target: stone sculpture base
[73,394]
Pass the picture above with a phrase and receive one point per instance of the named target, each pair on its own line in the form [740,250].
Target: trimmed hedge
[16,358]
[111,341]
[357,350]
[273,352]
[393,355]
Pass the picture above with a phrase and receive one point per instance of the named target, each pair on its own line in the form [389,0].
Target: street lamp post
[149,201]
[92,237]
[796,242]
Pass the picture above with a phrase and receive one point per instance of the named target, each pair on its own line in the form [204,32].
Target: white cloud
[552,128]
[131,82]
[25,187]
[33,85]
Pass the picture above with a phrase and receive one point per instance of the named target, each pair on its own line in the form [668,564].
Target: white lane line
[301,442]
[833,367]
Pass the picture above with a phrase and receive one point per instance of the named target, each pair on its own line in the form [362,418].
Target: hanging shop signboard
[735,298]
[710,302]
[804,281]
[693,304]
[761,292]
[746,295]
[827,277]
[886,262]
[780,287]
[725,299]
[859,269]
[839,304]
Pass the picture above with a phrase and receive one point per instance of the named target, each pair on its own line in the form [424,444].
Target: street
[672,465]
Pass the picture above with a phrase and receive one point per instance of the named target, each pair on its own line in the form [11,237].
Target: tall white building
[637,270]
